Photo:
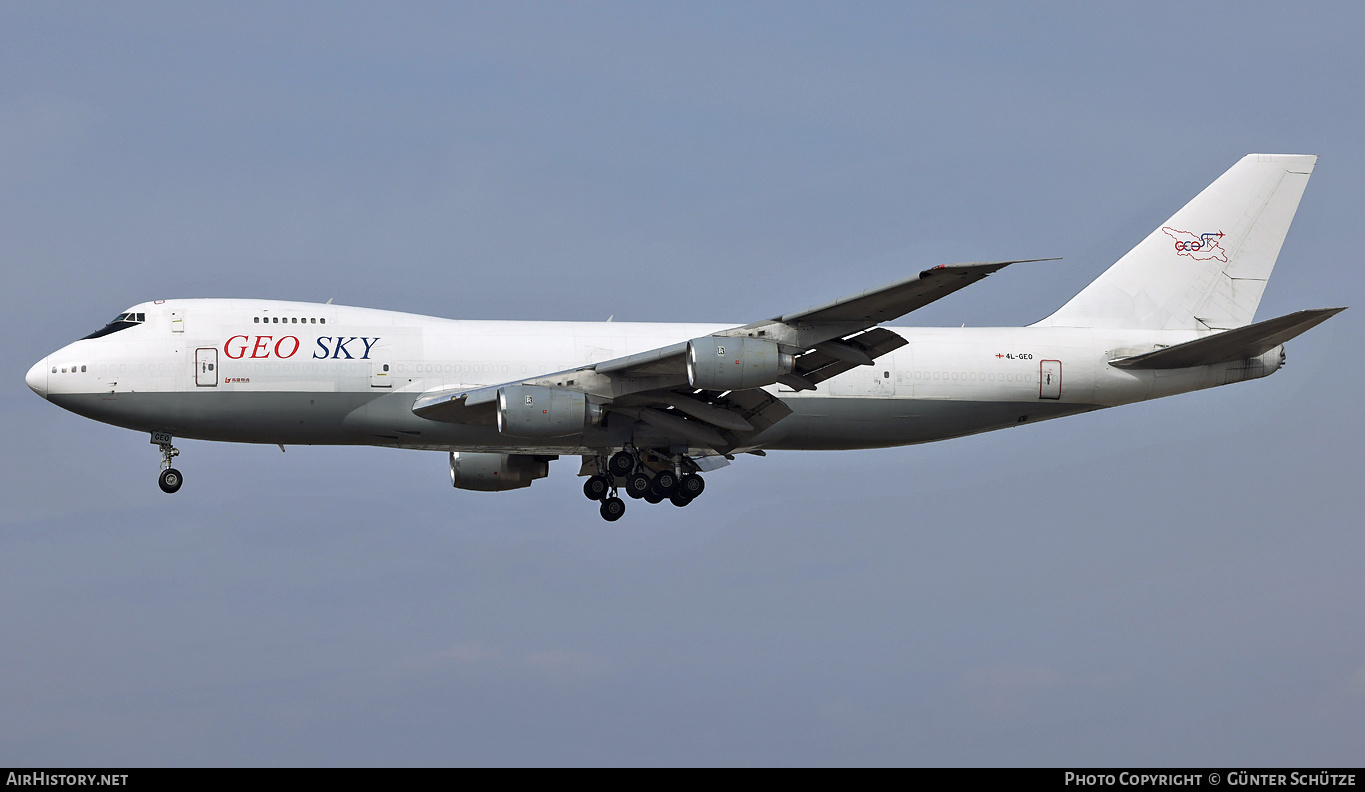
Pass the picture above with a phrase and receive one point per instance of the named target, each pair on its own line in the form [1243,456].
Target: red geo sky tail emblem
[1200,247]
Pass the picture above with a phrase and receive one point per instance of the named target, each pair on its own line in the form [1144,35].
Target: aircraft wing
[653,386]
[893,300]
[833,333]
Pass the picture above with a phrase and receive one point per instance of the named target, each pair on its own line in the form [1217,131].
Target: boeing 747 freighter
[650,407]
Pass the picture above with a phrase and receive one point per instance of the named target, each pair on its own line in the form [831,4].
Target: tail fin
[1207,266]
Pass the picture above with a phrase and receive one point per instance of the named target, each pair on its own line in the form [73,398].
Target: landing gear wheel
[170,480]
[621,463]
[691,485]
[596,488]
[612,509]
[679,499]
[653,497]
[637,486]
[665,483]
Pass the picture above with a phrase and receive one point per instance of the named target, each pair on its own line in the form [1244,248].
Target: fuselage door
[380,375]
[1050,379]
[883,373]
[206,368]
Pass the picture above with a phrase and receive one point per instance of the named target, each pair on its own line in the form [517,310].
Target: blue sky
[1169,583]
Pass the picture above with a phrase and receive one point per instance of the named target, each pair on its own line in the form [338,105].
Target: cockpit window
[121,322]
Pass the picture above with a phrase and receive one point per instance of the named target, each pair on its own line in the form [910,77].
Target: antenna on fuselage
[329,301]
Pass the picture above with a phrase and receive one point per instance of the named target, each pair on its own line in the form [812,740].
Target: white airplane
[649,407]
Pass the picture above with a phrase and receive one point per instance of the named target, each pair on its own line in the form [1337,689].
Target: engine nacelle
[495,472]
[721,363]
[540,411]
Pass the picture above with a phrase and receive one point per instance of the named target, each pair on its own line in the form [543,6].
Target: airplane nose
[37,378]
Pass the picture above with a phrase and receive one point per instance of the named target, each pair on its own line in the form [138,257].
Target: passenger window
[386,366]
[276,320]
[312,321]
[295,320]
[322,321]
[82,369]
[257,320]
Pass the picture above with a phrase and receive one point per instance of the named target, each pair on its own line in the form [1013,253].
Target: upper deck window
[121,322]
[288,320]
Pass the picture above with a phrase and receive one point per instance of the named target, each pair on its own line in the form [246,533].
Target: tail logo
[1200,247]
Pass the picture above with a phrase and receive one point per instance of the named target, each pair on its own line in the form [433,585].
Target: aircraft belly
[833,424]
[351,418]
[297,418]
[259,417]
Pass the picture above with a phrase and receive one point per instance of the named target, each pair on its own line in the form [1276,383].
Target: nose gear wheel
[170,478]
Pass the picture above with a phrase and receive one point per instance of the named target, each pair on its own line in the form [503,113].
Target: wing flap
[760,408]
[820,365]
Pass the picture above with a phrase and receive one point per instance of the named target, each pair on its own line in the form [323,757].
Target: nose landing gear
[170,478]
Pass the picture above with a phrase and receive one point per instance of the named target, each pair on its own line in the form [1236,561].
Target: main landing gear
[654,481]
[170,478]
[601,488]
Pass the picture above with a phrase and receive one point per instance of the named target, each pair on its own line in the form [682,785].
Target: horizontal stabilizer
[1240,344]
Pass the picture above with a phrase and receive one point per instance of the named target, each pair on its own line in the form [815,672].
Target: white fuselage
[262,371]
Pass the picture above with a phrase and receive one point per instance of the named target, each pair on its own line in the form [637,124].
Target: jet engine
[496,472]
[540,411]
[720,363]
